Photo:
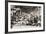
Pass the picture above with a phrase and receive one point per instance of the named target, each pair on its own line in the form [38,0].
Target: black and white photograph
[25,17]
